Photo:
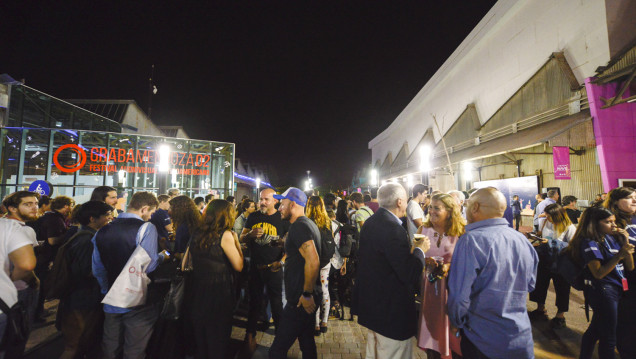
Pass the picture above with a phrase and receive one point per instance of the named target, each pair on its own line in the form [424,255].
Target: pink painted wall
[615,132]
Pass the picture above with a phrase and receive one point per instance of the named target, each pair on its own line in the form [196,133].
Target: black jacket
[387,277]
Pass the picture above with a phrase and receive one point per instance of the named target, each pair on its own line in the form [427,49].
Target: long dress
[434,328]
[212,301]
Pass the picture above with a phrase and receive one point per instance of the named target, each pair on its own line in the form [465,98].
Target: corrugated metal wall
[586,173]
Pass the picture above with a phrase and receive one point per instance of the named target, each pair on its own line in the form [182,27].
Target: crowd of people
[297,260]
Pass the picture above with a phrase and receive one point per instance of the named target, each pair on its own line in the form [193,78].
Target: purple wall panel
[615,132]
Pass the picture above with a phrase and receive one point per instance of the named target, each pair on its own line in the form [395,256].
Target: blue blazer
[387,275]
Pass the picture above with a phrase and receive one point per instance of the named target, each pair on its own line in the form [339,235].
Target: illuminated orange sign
[80,154]
[102,160]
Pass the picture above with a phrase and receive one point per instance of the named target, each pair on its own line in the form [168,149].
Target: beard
[26,216]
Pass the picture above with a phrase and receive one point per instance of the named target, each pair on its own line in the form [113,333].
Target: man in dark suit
[389,270]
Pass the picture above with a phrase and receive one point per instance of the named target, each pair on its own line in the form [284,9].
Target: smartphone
[168,253]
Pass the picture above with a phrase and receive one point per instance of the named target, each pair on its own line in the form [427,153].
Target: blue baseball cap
[293,194]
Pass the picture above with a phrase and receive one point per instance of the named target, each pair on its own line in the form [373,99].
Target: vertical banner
[561,159]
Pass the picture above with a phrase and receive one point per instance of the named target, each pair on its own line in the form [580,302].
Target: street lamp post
[258,186]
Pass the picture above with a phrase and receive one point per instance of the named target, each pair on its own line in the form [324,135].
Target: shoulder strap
[142,232]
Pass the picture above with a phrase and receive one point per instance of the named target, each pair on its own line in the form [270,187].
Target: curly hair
[316,212]
[218,218]
[184,211]
[455,223]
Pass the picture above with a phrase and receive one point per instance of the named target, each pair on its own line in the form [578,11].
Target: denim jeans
[261,279]
[295,323]
[128,333]
[604,302]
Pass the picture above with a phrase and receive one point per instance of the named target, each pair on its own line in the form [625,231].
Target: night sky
[297,85]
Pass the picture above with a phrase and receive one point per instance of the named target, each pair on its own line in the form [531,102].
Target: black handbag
[173,301]
[17,329]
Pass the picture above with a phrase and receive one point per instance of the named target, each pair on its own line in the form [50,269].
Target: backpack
[60,278]
[348,238]
[570,271]
[327,246]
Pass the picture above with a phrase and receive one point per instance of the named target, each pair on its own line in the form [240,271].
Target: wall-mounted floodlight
[467,171]
[425,158]
[374,178]
[164,158]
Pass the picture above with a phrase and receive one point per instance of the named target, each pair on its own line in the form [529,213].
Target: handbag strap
[5,308]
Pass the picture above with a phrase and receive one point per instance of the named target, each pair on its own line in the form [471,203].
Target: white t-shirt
[13,235]
[549,232]
[413,211]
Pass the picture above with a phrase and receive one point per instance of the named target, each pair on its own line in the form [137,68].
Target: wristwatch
[307,294]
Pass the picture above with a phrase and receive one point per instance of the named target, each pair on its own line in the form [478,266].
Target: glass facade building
[32,109]
[75,151]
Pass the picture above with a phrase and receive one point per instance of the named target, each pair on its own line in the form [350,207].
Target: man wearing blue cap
[301,272]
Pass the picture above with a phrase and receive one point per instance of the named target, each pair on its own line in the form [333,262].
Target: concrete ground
[346,339]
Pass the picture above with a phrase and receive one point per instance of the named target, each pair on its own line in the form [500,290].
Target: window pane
[36,155]
[35,107]
[91,174]
[61,115]
[15,106]
[10,155]
[99,124]
[68,159]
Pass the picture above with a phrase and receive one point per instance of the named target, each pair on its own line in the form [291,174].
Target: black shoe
[557,323]
[317,332]
[323,329]
[537,314]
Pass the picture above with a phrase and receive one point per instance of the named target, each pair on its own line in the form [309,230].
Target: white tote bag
[131,286]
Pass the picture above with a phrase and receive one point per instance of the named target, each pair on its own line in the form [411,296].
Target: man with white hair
[389,270]
[460,198]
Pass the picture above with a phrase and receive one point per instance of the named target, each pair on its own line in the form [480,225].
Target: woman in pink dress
[443,227]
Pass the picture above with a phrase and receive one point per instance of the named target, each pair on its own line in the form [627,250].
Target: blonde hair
[559,217]
[316,212]
[455,223]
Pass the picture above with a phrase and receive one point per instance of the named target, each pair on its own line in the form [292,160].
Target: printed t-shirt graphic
[273,227]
